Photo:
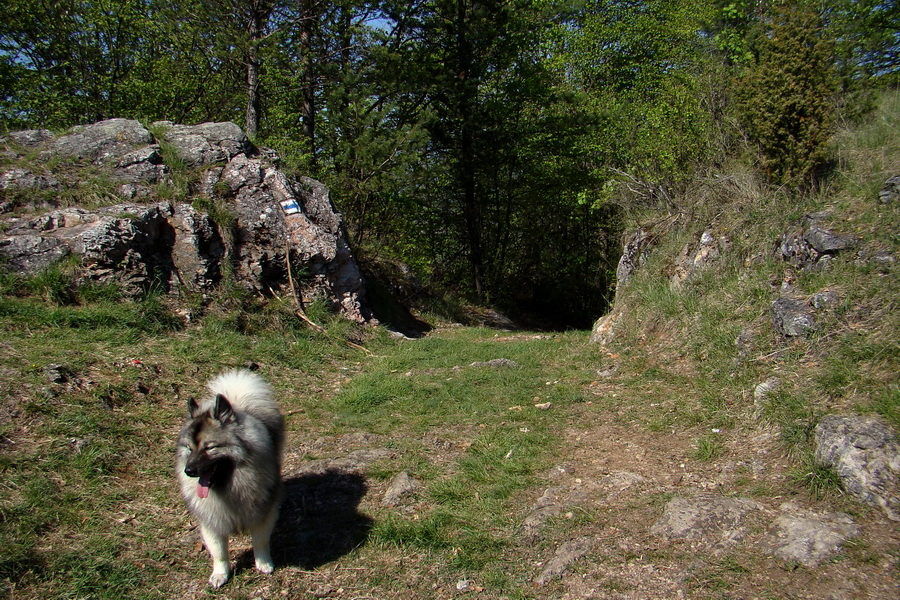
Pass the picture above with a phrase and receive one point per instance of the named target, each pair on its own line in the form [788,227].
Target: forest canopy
[491,145]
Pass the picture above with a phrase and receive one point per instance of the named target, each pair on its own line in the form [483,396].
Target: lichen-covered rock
[711,521]
[206,143]
[142,165]
[278,223]
[29,138]
[696,256]
[865,453]
[792,318]
[633,254]
[25,179]
[100,142]
[806,537]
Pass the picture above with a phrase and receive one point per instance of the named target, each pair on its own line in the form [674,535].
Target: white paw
[217,580]
[264,565]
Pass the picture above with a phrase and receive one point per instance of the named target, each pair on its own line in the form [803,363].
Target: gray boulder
[890,191]
[865,453]
[825,241]
[99,142]
[792,318]
[806,537]
[205,144]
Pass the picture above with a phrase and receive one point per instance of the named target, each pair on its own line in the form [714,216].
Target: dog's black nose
[191,471]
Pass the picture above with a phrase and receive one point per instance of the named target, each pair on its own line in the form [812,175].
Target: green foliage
[642,66]
[494,147]
[786,97]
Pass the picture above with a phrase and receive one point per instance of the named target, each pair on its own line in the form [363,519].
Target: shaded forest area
[497,148]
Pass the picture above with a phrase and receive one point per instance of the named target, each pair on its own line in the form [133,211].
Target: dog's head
[209,444]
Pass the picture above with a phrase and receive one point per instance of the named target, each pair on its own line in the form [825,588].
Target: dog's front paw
[264,565]
[217,580]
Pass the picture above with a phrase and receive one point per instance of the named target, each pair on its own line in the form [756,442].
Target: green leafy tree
[641,66]
[67,62]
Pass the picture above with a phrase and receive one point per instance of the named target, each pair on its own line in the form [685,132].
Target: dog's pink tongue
[203,486]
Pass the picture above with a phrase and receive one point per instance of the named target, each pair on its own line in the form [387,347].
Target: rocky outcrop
[866,455]
[269,226]
[100,142]
[890,191]
[633,254]
[814,246]
[792,317]
[205,144]
[695,257]
[810,248]
[132,245]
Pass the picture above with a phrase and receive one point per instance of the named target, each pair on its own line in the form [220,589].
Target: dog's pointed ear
[193,407]
[222,410]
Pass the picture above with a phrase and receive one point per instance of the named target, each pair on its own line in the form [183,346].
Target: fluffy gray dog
[229,466]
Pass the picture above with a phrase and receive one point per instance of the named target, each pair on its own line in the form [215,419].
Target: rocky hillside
[780,311]
[173,207]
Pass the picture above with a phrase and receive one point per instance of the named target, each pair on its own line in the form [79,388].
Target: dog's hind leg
[217,545]
[260,534]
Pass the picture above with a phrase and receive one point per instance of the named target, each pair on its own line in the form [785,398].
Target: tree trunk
[258,13]
[467,150]
[307,77]
[251,120]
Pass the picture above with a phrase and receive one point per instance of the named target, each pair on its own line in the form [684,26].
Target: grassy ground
[564,441]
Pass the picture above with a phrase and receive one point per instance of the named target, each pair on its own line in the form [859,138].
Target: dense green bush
[786,97]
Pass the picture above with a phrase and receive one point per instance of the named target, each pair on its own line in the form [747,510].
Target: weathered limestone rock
[695,257]
[29,138]
[865,453]
[207,143]
[25,179]
[100,142]
[792,318]
[802,536]
[890,191]
[711,521]
[813,247]
[142,165]
[278,223]
[401,486]
[127,244]
[605,328]
[633,254]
